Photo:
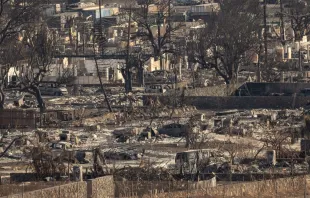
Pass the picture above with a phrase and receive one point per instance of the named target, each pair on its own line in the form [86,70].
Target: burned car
[120,154]
[173,130]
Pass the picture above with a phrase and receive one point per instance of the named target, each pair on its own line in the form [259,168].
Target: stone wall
[257,89]
[244,102]
[285,187]
[140,188]
[77,189]
[220,90]
[102,187]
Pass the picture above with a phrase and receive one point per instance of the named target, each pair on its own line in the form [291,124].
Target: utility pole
[282,28]
[127,69]
[159,40]
[265,33]
[77,43]
[83,38]
[299,56]
[100,16]
[169,28]
[169,20]
[100,28]
[259,77]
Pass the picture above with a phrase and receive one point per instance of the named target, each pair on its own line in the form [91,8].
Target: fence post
[187,189]
[305,187]
[23,190]
[77,192]
[276,187]
[169,188]
[131,188]
[151,189]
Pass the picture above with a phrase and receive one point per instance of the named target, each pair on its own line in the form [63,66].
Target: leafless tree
[280,36]
[7,60]
[69,24]
[156,28]
[223,43]
[155,34]
[45,163]
[272,70]
[291,154]
[13,17]
[134,67]
[232,149]
[127,70]
[67,76]
[37,49]
[300,21]
[195,138]
[135,57]
[298,13]
[276,139]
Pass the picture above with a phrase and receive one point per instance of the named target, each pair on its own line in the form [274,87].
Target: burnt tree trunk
[128,86]
[37,94]
[128,81]
[141,76]
[2,98]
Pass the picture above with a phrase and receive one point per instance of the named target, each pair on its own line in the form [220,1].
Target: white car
[53,90]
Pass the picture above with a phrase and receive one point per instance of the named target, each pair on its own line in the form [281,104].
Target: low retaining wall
[102,187]
[77,189]
[242,102]
[140,188]
[286,187]
[257,89]
[220,90]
